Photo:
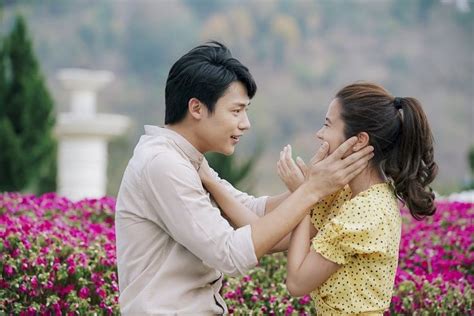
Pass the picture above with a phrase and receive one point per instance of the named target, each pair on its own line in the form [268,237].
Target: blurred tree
[470,157]
[152,53]
[28,148]
[204,8]
[286,35]
[237,174]
[217,27]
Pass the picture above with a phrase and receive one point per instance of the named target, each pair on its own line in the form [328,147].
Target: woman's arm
[274,201]
[236,212]
[306,268]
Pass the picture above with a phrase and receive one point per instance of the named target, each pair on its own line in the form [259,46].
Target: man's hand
[290,172]
[327,174]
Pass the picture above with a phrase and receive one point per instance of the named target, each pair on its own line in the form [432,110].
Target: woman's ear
[195,108]
[362,141]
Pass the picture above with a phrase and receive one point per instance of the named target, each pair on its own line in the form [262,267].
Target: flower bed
[58,257]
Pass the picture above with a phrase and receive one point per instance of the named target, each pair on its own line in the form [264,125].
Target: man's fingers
[359,165]
[362,154]
[343,148]
[320,154]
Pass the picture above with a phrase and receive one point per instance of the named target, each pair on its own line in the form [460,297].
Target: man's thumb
[320,154]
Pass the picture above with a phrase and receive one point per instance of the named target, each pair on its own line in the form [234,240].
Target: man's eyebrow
[241,104]
[327,119]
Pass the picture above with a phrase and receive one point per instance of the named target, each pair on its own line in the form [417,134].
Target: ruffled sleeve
[356,230]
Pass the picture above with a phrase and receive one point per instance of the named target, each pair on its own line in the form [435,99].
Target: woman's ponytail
[401,137]
[411,164]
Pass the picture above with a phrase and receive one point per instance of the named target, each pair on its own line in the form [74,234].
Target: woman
[349,266]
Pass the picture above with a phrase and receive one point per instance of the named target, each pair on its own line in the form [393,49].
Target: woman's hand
[205,172]
[291,173]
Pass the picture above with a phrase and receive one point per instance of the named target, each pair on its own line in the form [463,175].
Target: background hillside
[300,52]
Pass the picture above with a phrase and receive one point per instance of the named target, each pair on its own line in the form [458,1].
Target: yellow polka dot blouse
[361,234]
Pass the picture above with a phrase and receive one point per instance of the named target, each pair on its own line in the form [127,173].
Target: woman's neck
[368,177]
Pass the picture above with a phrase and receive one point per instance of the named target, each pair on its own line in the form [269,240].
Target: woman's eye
[325,124]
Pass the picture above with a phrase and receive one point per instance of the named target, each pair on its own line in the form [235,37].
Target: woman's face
[332,131]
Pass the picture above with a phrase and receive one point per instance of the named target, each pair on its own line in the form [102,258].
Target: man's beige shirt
[173,245]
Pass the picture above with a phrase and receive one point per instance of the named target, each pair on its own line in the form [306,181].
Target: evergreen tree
[28,148]
[470,159]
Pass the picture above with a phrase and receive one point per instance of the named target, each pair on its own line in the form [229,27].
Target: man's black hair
[203,73]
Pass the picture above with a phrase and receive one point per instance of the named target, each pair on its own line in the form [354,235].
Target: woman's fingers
[289,160]
[301,164]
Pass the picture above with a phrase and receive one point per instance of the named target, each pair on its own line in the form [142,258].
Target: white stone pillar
[83,134]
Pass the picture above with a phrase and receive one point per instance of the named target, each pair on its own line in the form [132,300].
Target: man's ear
[196,108]
[362,141]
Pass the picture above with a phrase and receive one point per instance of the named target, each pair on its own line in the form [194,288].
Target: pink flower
[71,269]
[305,300]
[289,310]
[23,288]
[15,253]
[84,292]
[34,282]
[9,270]
[67,289]
[101,292]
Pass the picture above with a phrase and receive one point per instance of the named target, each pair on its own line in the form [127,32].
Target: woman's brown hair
[400,134]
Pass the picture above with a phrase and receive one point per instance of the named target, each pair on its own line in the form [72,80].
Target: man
[173,245]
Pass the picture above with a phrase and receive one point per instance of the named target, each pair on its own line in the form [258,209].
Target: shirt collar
[189,150]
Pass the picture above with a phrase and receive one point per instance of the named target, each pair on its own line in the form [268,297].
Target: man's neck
[188,134]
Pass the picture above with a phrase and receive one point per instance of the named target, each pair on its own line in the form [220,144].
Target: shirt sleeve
[356,230]
[256,205]
[183,208]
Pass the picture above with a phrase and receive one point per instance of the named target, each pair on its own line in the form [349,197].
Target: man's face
[221,130]
[332,131]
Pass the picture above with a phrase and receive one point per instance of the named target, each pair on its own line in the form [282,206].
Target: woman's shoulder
[329,207]
[373,204]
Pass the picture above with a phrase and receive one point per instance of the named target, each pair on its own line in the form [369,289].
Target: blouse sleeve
[356,230]
[325,209]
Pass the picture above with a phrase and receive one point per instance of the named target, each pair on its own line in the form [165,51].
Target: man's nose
[244,122]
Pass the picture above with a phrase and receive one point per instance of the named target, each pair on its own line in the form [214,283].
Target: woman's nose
[319,134]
